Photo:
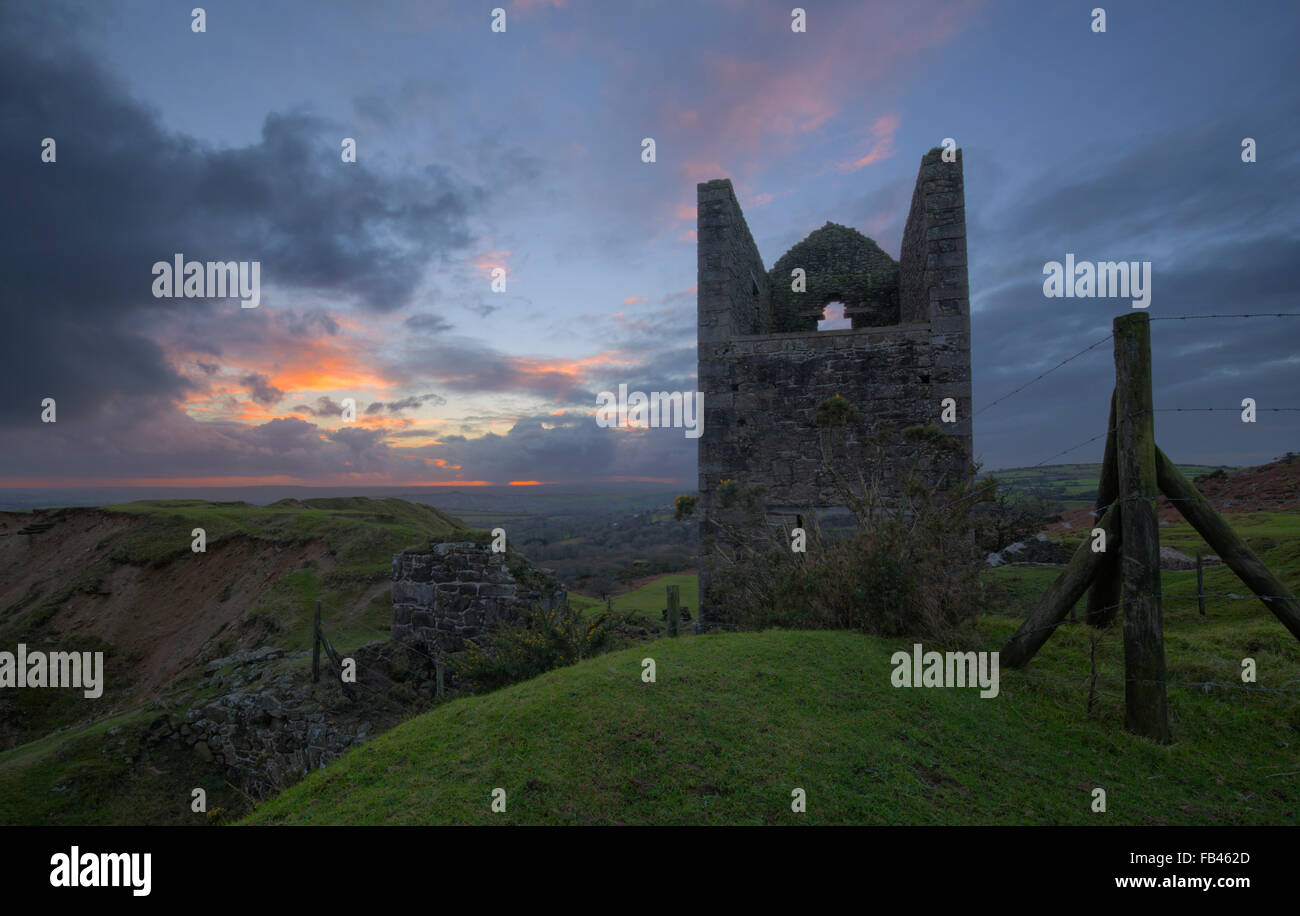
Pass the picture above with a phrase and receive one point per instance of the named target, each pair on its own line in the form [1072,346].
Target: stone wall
[456,592]
[266,724]
[732,290]
[932,259]
[908,350]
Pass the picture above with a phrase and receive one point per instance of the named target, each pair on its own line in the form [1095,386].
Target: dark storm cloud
[260,388]
[125,192]
[429,324]
[396,407]
[1220,239]
[326,406]
[569,448]
[468,366]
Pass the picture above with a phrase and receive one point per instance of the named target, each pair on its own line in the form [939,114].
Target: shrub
[533,645]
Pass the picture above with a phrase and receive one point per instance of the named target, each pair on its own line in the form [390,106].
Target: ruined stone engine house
[764,366]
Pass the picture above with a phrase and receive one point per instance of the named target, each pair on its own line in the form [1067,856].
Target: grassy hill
[736,721]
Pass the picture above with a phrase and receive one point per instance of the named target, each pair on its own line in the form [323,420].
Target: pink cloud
[490,260]
[882,144]
[753,106]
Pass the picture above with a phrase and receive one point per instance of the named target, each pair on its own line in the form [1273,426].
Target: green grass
[83,777]
[736,721]
[649,599]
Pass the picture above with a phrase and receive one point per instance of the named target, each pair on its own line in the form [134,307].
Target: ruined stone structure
[456,592]
[764,367]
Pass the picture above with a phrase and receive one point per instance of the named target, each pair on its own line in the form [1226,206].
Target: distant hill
[1071,486]
[1266,488]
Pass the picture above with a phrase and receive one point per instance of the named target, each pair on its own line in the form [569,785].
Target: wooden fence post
[1104,594]
[1146,707]
[1200,583]
[315,648]
[673,615]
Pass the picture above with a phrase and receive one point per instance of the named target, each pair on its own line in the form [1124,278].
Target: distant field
[1073,486]
[650,598]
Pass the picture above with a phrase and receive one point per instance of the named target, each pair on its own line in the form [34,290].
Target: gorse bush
[909,567]
[893,579]
[533,645]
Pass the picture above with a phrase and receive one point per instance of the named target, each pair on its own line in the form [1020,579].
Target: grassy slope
[736,721]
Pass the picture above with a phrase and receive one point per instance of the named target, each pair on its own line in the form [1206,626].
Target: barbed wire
[1072,448]
[1043,375]
[1243,315]
[1111,607]
[1167,682]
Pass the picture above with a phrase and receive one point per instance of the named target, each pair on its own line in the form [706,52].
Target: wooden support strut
[1228,544]
[1062,596]
[1104,595]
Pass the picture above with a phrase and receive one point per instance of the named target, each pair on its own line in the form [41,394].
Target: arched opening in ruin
[833,317]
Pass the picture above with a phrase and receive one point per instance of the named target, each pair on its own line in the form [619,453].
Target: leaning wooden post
[1200,583]
[1104,595]
[1228,545]
[1146,708]
[315,648]
[673,615]
[1062,596]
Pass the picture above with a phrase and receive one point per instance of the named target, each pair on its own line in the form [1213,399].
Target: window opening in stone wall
[833,318]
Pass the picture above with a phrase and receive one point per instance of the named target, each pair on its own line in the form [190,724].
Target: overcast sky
[523,150]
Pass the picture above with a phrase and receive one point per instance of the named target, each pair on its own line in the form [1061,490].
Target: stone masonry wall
[733,283]
[455,592]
